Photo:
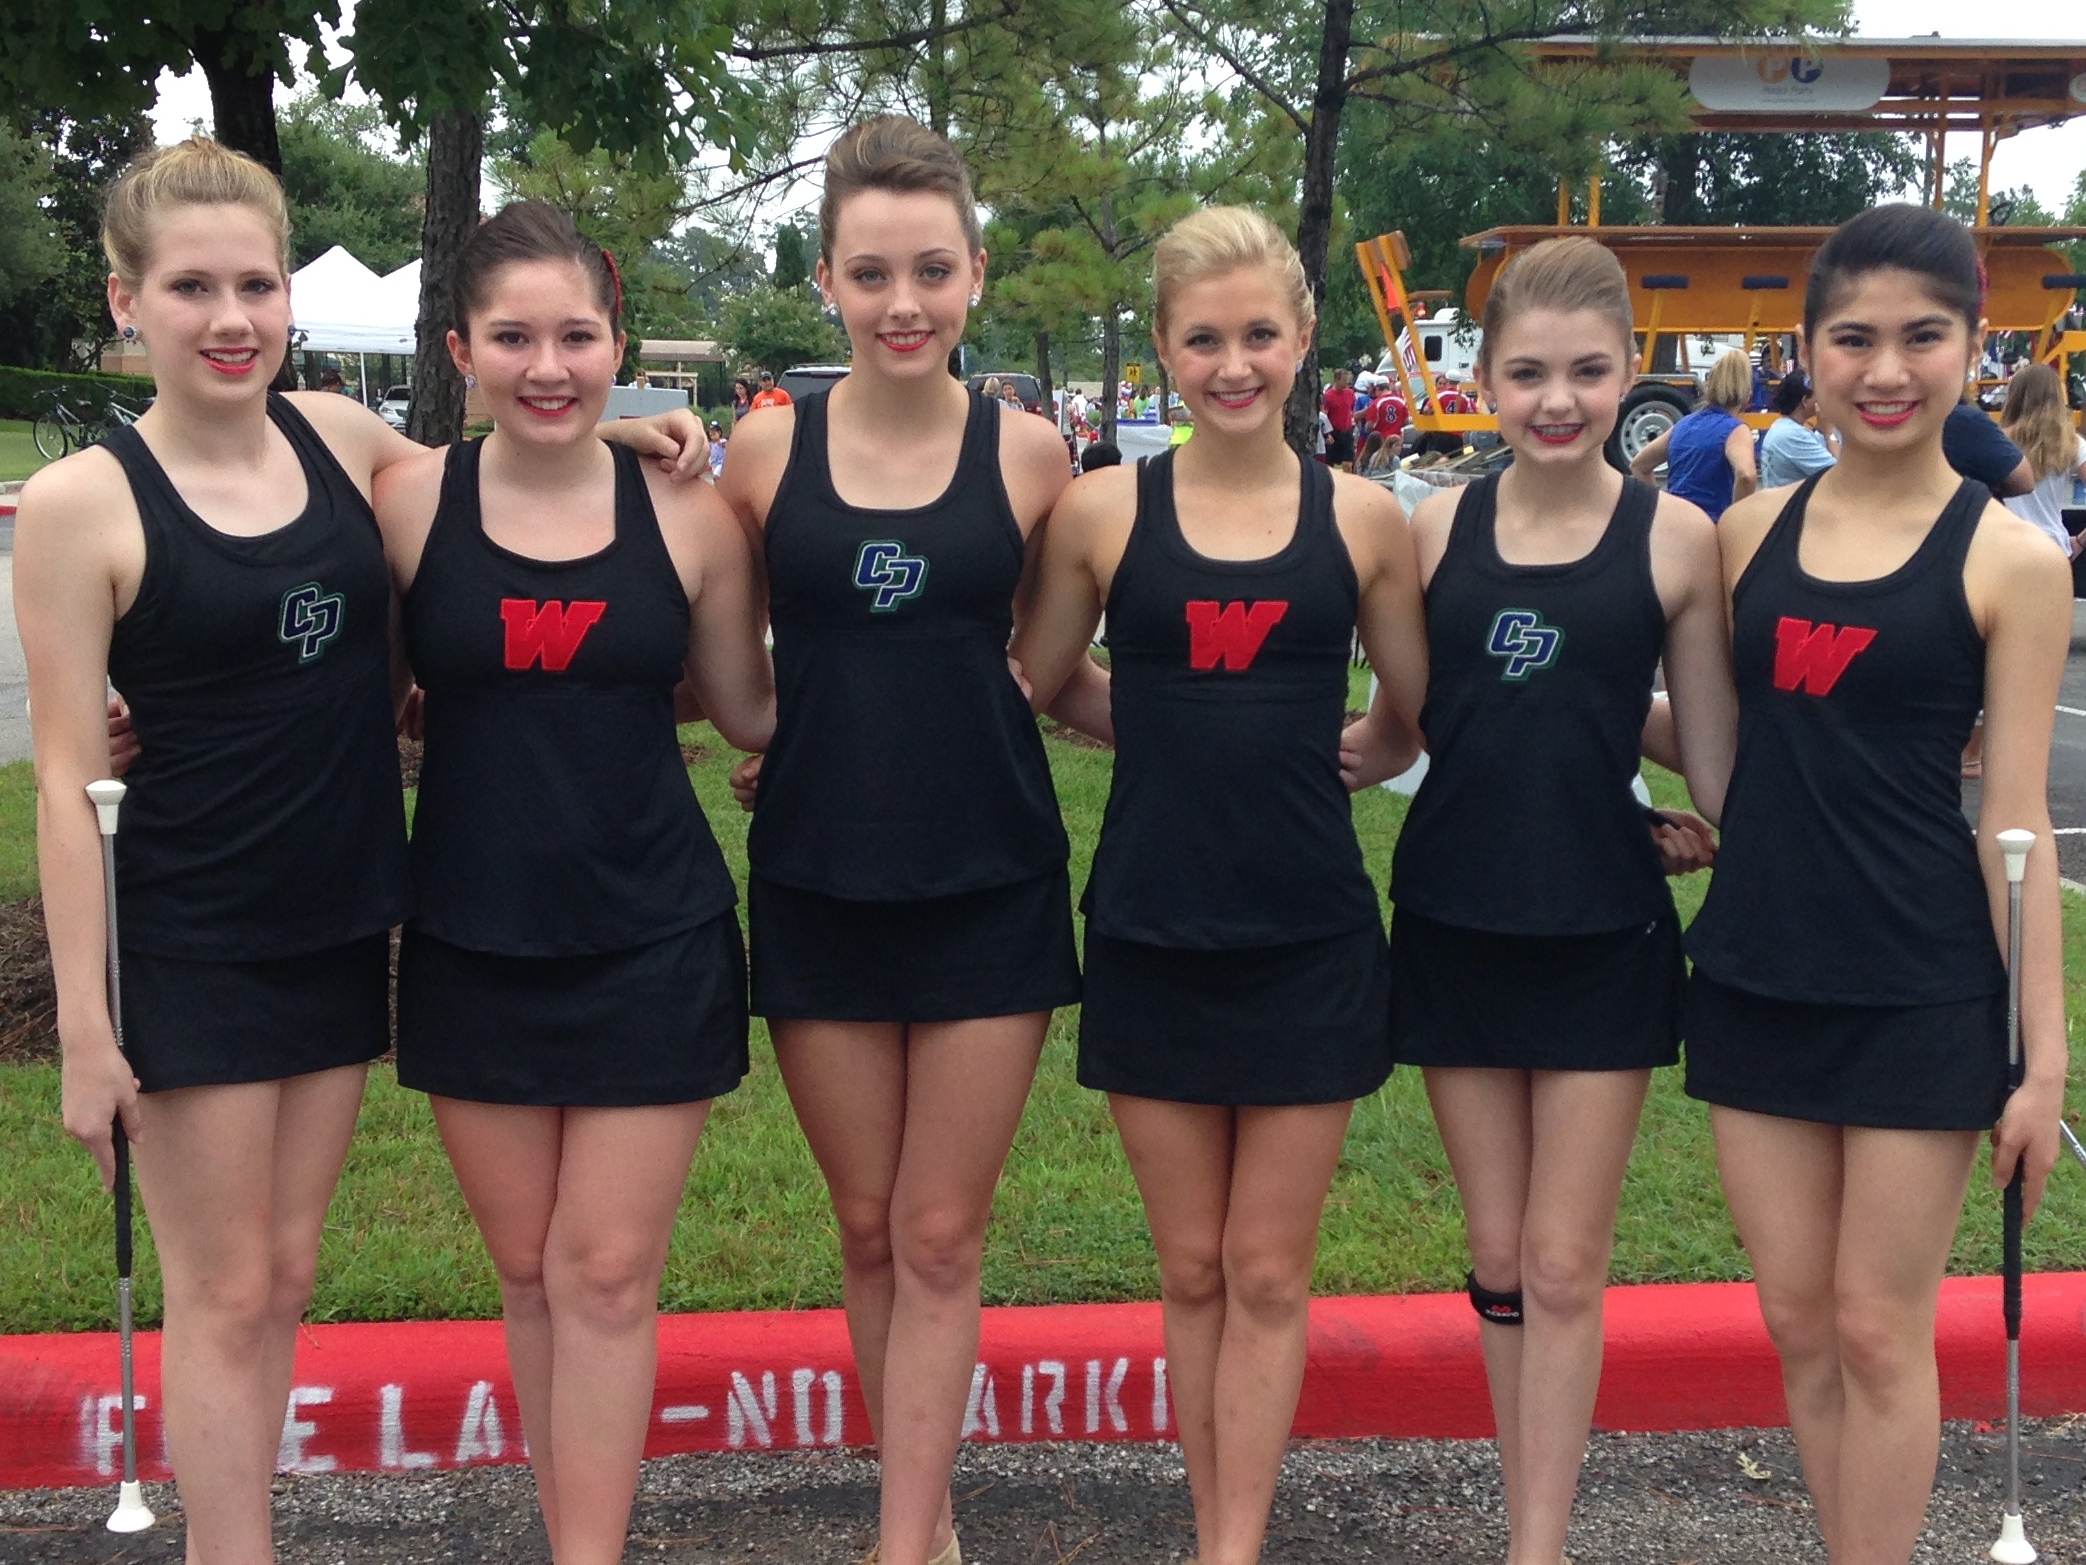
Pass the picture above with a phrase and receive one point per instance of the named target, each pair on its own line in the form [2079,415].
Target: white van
[1451,346]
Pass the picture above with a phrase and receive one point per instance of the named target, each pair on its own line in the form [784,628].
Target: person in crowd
[909,899]
[1708,455]
[742,398]
[570,1043]
[1010,395]
[770,395]
[1100,453]
[1229,907]
[1790,449]
[219,564]
[2036,420]
[1535,950]
[1338,403]
[1847,1012]
[717,448]
[1977,448]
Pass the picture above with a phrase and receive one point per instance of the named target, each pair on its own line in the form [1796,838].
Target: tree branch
[907,40]
[1243,71]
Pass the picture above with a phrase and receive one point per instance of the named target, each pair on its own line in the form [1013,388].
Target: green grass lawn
[755,1232]
[18,454]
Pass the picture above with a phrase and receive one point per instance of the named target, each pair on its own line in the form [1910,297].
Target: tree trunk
[1315,209]
[242,96]
[1111,371]
[1043,374]
[1165,393]
[455,153]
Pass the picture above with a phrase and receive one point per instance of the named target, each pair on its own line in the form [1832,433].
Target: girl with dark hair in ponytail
[1847,1011]
[571,984]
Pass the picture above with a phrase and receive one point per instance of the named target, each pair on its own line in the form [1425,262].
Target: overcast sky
[2048,161]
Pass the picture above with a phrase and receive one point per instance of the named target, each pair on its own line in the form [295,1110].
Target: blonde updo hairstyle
[1222,239]
[197,172]
[892,152]
[1565,275]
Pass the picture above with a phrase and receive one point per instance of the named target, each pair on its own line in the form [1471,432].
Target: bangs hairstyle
[1223,239]
[1934,248]
[1729,383]
[529,231]
[197,172]
[901,155]
[2036,419]
[1570,274]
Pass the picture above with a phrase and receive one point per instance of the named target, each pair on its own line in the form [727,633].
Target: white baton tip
[106,794]
[132,1514]
[2015,845]
[2013,1547]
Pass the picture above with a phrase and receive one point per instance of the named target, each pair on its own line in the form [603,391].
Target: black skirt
[1468,997]
[214,1024]
[1003,951]
[1884,1067]
[660,1023]
[1263,1027]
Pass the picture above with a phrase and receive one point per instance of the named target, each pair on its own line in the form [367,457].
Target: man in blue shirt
[1976,449]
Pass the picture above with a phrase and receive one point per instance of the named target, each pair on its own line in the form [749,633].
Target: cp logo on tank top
[310,617]
[886,570]
[549,631]
[1521,637]
[1814,657]
[1230,635]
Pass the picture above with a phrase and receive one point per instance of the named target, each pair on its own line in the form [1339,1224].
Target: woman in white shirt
[2036,419]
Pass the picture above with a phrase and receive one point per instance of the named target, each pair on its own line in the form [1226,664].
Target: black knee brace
[1500,1309]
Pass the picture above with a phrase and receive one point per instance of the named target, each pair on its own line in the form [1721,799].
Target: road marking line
[2068,831]
[2073,711]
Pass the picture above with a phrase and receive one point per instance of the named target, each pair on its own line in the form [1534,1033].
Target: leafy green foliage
[22,392]
[774,328]
[643,78]
[62,323]
[30,250]
[1733,178]
[792,269]
[346,186]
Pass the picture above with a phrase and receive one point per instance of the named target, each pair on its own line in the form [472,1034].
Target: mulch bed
[28,1002]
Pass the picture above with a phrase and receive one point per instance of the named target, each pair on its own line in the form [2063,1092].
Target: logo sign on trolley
[1769,82]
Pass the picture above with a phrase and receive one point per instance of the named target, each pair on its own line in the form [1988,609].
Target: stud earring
[470,383]
[130,334]
[975,298]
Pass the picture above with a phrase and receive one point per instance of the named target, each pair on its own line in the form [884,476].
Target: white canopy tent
[341,306]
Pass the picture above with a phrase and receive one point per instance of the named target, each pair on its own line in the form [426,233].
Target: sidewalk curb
[435,1394]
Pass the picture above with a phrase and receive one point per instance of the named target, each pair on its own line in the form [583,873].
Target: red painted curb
[435,1394]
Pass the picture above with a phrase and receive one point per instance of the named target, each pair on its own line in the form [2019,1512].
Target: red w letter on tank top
[551,631]
[1230,635]
[1815,656]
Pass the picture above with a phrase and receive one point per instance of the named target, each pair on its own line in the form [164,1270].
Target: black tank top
[264,817]
[1227,822]
[1848,873]
[906,762]
[555,816]
[1539,681]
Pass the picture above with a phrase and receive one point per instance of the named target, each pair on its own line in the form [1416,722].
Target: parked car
[1029,388]
[804,379]
[397,403]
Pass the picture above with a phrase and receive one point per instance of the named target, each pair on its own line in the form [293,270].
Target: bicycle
[64,426]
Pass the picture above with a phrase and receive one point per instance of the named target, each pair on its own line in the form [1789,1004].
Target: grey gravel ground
[1684,1499]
